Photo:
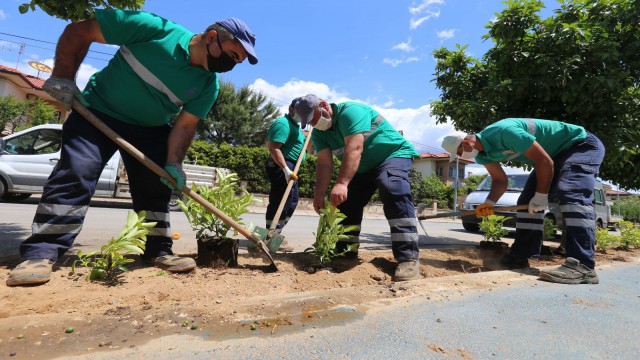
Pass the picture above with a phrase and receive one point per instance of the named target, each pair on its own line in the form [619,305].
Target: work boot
[514,262]
[174,263]
[31,272]
[407,270]
[285,247]
[571,272]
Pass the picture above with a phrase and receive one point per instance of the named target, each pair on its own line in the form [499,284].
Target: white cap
[451,144]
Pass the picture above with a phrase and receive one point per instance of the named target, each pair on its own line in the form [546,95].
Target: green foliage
[472,183]
[110,261]
[329,232]
[604,240]
[550,229]
[425,190]
[75,10]
[39,112]
[629,208]
[11,110]
[248,163]
[578,66]
[224,198]
[492,227]
[629,235]
[240,117]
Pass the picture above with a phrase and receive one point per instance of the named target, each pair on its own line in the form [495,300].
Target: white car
[28,157]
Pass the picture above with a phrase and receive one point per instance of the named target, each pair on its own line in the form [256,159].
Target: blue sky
[377,52]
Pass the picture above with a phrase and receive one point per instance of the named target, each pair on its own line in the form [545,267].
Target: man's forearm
[179,141]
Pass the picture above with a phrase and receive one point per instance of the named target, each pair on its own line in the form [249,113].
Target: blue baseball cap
[242,33]
[304,107]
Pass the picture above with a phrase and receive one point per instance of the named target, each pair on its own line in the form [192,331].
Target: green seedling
[110,261]
[224,198]
[253,327]
[549,229]
[604,240]
[329,232]
[492,227]
[69,330]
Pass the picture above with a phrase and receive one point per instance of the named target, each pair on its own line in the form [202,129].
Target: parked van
[510,198]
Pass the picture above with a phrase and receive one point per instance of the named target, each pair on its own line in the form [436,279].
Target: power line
[49,49]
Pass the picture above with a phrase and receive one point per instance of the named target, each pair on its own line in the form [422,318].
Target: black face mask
[222,63]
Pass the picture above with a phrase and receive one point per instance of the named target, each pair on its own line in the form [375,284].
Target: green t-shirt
[287,132]
[157,80]
[509,139]
[381,140]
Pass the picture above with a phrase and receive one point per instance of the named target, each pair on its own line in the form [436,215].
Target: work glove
[485,209]
[288,174]
[538,203]
[64,90]
[176,172]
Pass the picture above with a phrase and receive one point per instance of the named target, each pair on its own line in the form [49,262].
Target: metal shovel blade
[273,242]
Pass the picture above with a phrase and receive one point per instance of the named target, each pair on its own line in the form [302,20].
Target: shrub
[329,232]
[604,240]
[492,227]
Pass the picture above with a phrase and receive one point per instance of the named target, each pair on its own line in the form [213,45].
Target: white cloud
[403,60]
[446,34]
[3,15]
[405,46]
[426,10]
[418,126]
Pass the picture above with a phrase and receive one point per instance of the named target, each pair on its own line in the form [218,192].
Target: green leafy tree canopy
[240,118]
[11,110]
[580,66]
[75,10]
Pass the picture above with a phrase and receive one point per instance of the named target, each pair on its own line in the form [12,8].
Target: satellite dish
[40,67]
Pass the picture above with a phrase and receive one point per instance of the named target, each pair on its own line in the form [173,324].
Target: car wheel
[16,197]
[173,203]
[3,189]
[471,227]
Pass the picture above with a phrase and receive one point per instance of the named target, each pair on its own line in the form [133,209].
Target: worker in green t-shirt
[160,70]
[285,143]
[374,156]
[566,159]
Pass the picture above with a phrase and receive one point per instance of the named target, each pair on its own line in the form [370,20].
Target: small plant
[224,198]
[492,227]
[629,235]
[110,261]
[604,240]
[549,229]
[330,231]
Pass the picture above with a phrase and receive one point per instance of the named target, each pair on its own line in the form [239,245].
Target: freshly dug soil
[36,322]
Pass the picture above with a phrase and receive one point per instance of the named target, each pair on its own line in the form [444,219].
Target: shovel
[275,240]
[162,173]
[472,212]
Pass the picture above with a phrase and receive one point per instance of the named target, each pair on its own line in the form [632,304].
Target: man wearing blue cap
[285,143]
[374,157]
[160,70]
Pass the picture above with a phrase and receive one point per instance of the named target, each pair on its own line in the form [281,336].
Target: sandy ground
[148,303]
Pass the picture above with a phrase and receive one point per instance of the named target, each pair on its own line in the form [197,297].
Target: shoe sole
[417,277]
[555,279]
[28,281]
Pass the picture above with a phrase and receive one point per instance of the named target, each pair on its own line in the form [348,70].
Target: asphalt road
[106,219]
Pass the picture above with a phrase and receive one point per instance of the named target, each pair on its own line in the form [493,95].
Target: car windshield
[516,182]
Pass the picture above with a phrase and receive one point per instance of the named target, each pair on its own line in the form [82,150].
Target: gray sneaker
[407,270]
[571,272]
[174,263]
[31,272]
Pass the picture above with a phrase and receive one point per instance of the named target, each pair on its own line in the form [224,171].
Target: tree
[39,112]
[629,208]
[75,10]
[579,66]
[11,111]
[239,118]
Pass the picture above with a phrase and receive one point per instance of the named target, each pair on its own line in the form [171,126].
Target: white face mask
[323,124]
[468,155]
